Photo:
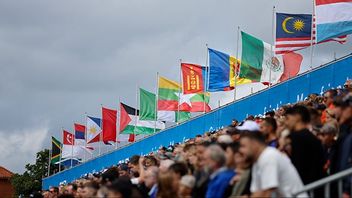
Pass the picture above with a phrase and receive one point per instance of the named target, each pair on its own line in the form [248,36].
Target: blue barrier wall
[331,75]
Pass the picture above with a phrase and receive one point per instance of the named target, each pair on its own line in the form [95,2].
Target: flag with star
[93,129]
[294,32]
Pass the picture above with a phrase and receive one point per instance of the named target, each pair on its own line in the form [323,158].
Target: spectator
[220,176]
[110,175]
[272,172]
[167,186]
[268,127]
[151,180]
[328,101]
[327,136]
[71,189]
[270,114]
[306,153]
[186,185]
[123,170]
[234,123]
[90,189]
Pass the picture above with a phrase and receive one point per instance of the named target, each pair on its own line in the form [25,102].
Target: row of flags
[175,101]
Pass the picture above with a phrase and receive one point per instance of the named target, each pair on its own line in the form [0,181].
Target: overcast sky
[60,59]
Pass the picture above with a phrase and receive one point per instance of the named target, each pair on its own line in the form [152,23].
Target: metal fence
[326,183]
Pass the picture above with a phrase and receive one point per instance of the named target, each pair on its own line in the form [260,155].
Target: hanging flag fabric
[294,32]
[222,70]
[131,124]
[69,147]
[147,105]
[109,124]
[333,18]
[93,129]
[292,62]
[193,78]
[56,147]
[80,131]
[257,62]
[195,102]
[168,94]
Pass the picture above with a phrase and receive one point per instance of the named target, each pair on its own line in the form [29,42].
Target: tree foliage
[31,179]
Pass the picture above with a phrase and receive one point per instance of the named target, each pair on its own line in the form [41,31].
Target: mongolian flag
[193,78]
[56,147]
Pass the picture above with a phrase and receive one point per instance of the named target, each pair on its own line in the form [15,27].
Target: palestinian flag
[56,147]
[130,124]
[258,63]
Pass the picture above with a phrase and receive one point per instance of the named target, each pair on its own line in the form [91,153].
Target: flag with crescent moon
[294,32]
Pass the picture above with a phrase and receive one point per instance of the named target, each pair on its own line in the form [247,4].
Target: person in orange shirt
[328,101]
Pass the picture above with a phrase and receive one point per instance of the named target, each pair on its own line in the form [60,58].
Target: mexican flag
[131,124]
[258,63]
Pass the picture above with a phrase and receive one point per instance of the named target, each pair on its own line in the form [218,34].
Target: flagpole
[206,78]
[101,132]
[136,112]
[85,137]
[236,61]
[179,94]
[49,162]
[60,157]
[156,100]
[118,123]
[273,41]
[312,37]
[72,150]
[208,69]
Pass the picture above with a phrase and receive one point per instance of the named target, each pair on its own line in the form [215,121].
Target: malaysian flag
[294,32]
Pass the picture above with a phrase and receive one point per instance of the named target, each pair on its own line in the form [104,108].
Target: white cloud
[19,147]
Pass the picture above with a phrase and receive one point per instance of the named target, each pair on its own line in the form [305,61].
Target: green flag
[147,105]
[55,150]
[182,116]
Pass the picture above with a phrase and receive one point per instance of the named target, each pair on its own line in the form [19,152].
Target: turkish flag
[68,138]
[192,78]
[109,124]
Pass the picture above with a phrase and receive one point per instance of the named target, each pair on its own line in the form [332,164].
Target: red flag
[292,65]
[192,78]
[109,124]
[68,138]
[124,117]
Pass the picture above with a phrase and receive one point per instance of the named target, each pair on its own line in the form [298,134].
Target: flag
[195,102]
[131,124]
[257,63]
[56,147]
[93,129]
[294,32]
[69,147]
[168,91]
[109,124]
[68,140]
[80,131]
[193,78]
[292,64]
[222,70]
[147,105]
[333,18]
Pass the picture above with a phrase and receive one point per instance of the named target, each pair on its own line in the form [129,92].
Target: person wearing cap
[249,125]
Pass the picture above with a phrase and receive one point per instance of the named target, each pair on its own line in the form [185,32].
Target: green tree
[31,179]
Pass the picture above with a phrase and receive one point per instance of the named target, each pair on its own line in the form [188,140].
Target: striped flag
[293,32]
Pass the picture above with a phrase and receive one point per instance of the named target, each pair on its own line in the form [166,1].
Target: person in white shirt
[272,172]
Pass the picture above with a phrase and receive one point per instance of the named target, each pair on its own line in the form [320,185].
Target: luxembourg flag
[333,18]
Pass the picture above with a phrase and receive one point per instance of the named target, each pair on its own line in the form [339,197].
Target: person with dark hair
[110,175]
[71,189]
[234,123]
[90,189]
[270,114]
[306,153]
[221,176]
[167,186]
[178,170]
[133,165]
[122,187]
[268,127]
[272,171]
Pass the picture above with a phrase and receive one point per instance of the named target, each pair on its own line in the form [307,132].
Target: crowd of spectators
[273,155]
